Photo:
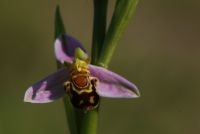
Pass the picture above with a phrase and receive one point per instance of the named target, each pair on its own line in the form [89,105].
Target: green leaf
[99,28]
[123,12]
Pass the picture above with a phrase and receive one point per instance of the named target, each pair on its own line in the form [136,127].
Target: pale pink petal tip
[49,88]
[113,85]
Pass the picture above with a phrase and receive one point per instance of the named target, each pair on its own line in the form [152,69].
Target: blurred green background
[160,52]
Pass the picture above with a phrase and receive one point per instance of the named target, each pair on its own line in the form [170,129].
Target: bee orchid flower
[83,82]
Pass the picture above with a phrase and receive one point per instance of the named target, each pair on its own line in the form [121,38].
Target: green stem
[71,115]
[123,12]
[99,28]
[89,122]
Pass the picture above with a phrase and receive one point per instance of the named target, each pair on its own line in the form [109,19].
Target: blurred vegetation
[159,52]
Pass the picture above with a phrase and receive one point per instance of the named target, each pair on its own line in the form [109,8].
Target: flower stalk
[90,119]
[80,83]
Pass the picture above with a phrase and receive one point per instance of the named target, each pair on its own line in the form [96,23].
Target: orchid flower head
[84,82]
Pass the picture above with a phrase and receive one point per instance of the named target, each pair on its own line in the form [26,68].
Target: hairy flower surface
[83,82]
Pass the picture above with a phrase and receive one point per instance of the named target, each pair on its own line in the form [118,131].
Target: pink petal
[113,85]
[48,89]
[65,47]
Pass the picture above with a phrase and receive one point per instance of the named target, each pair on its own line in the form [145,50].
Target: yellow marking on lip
[89,90]
[91,99]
